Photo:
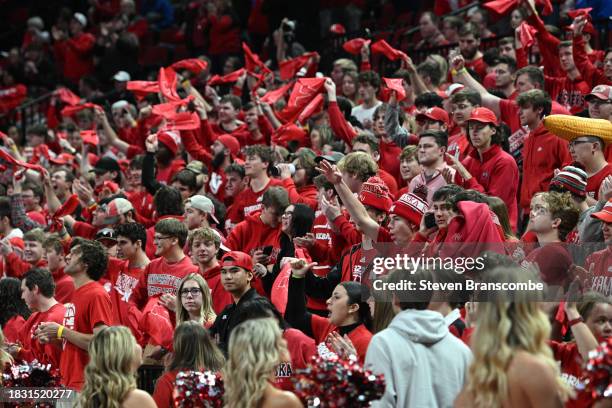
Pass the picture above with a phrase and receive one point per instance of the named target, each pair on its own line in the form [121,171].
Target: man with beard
[469,42]
[164,147]
[89,313]
[432,37]
[504,69]
[32,254]
[205,244]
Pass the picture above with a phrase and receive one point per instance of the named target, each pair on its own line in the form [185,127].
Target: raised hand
[330,171]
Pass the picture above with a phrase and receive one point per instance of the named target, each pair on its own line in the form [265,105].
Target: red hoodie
[252,234]
[496,174]
[302,195]
[543,153]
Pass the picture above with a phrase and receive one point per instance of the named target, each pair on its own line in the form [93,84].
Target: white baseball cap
[122,76]
[203,204]
[80,17]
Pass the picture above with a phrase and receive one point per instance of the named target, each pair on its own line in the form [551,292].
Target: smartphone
[267,250]
[430,220]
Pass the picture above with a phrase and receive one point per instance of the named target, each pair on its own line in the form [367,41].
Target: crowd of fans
[234,211]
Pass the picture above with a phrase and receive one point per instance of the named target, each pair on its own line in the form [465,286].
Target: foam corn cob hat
[572,127]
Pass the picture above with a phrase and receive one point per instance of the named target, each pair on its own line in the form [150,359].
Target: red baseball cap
[603,92]
[435,113]
[605,214]
[231,143]
[237,258]
[483,115]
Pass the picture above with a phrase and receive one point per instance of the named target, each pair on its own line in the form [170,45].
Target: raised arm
[357,211]
[462,76]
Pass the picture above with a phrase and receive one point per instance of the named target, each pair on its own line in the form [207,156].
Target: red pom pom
[598,370]
[195,389]
[333,382]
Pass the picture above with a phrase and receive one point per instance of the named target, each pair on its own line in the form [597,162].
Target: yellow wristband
[60,331]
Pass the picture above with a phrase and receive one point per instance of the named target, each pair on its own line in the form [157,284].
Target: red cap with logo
[435,113]
[375,193]
[483,115]
[605,214]
[237,258]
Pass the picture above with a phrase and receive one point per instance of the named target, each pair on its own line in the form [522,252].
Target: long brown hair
[194,349]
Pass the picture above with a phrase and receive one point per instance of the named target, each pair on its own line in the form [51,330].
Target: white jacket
[423,363]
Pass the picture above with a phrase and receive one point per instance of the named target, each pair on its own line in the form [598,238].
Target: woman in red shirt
[193,301]
[349,313]
[193,350]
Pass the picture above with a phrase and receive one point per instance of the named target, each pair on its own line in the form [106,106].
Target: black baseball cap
[106,164]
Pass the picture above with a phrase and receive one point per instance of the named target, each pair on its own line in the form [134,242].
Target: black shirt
[226,320]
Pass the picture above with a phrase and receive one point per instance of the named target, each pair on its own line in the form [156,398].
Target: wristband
[60,331]
[575,321]
[455,72]
[296,276]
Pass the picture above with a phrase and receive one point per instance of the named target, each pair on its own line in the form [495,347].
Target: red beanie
[168,139]
[411,207]
[231,143]
[375,193]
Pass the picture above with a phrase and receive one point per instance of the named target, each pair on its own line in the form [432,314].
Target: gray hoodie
[423,363]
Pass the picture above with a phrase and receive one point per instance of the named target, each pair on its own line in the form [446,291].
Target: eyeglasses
[287,214]
[577,142]
[157,239]
[191,291]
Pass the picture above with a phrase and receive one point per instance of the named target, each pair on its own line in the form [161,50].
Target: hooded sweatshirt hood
[420,326]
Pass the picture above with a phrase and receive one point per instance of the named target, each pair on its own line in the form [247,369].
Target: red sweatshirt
[160,276]
[360,336]
[76,56]
[12,328]
[543,153]
[496,174]
[252,234]
[301,349]
[303,195]
[224,35]
[32,349]
[591,74]
[569,93]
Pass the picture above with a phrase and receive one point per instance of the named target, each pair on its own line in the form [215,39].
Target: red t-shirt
[32,349]
[12,328]
[84,230]
[601,281]
[301,349]
[479,66]
[91,307]
[165,175]
[159,277]
[64,286]
[594,182]
[164,388]
[123,280]
[249,202]
[571,372]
